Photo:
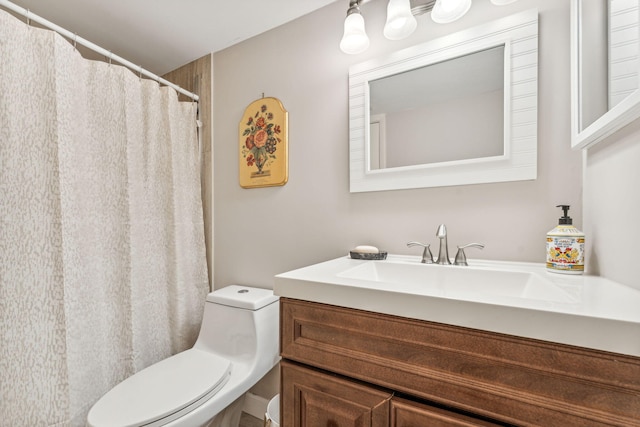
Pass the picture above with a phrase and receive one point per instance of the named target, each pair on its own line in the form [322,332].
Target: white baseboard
[255,405]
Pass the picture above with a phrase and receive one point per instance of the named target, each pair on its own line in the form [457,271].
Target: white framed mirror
[605,68]
[468,115]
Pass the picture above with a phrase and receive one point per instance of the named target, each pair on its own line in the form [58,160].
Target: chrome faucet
[443,252]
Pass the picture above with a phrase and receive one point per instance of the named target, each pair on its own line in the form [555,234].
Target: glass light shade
[400,21]
[446,11]
[355,38]
[501,2]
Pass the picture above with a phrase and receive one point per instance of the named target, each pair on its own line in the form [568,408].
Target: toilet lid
[183,381]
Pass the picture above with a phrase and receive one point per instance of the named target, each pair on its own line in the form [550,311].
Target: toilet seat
[162,392]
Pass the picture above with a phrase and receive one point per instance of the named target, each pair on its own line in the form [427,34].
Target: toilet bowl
[205,385]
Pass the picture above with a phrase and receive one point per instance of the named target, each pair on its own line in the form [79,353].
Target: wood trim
[511,379]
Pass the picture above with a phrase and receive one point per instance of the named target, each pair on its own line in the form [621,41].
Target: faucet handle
[461,258]
[427,256]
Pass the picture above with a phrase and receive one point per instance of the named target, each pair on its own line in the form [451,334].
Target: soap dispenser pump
[565,246]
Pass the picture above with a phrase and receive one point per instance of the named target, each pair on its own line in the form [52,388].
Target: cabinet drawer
[318,399]
[511,379]
[405,413]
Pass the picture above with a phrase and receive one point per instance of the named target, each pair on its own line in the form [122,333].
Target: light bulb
[355,38]
[446,11]
[400,21]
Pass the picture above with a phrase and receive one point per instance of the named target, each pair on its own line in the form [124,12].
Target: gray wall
[612,206]
[261,232]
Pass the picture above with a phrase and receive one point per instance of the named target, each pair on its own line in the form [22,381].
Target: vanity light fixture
[446,11]
[354,40]
[400,21]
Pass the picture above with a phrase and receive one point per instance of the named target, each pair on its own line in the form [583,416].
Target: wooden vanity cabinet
[345,367]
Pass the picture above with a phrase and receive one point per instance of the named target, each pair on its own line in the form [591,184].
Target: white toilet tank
[239,320]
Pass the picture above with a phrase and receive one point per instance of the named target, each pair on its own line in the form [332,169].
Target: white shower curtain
[102,258]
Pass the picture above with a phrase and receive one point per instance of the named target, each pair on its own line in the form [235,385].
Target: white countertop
[581,310]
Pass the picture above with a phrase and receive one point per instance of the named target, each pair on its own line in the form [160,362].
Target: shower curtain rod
[76,39]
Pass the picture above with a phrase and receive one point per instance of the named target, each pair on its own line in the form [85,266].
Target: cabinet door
[312,398]
[405,413]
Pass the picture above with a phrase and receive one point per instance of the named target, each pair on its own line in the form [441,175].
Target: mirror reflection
[448,111]
[606,58]
[623,50]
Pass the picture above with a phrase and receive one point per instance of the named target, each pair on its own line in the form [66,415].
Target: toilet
[205,385]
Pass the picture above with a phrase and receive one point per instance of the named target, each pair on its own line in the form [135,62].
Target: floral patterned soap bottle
[565,246]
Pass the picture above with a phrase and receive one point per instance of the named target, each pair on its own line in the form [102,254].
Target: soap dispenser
[565,246]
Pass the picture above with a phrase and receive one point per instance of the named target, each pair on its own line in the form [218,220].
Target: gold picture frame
[263,144]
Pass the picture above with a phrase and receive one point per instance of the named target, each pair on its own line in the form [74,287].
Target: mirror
[439,97]
[461,109]
[604,68]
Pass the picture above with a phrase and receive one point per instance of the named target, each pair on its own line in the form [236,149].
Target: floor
[247,420]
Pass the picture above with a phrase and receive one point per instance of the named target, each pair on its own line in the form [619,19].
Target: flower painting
[263,144]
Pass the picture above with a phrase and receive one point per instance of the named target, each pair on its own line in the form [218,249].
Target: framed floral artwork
[264,149]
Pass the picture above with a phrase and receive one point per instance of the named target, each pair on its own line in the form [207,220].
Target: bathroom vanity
[365,349]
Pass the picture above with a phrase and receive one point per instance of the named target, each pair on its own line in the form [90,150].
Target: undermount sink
[458,281]
[516,298]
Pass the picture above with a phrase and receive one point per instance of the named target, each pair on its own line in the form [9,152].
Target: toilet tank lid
[243,297]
